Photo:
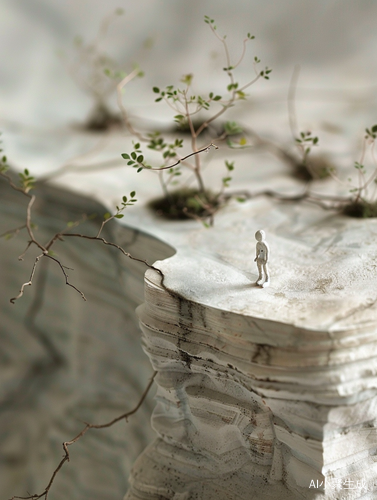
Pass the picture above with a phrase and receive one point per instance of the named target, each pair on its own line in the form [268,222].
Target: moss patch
[184,204]
[361,209]
[102,119]
[317,168]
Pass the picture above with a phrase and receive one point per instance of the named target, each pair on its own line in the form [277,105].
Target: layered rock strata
[264,394]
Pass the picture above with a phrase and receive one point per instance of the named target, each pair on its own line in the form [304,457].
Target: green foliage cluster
[371,133]
[3,163]
[306,141]
[187,106]
[363,203]
[126,202]
[27,181]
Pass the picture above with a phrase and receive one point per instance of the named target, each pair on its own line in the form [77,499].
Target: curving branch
[88,426]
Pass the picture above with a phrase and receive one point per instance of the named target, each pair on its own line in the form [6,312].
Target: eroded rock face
[264,393]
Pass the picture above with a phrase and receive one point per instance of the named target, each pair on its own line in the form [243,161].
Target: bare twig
[88,426]
[122,108]
[109,243]
[30,282]
[46,248]
[63,268]
[292,115]
[40,367]
[181,160]
[333,202]
[13,232]
[234,91]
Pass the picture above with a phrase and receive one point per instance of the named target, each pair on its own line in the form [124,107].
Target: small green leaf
[107,215]
[156,90]
[125,156]
[232,128]
[119,216]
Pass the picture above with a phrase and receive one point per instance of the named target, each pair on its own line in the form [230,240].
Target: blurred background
[63,361]
[333,41]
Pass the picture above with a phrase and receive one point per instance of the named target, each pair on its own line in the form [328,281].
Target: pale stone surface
[261,391]
[297,402]
[279,383]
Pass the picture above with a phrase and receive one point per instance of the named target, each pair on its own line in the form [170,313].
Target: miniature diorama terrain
[189,288]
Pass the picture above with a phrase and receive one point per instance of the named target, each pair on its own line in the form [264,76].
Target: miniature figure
[261,258]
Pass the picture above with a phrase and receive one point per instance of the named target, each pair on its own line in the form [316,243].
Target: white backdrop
[332,40]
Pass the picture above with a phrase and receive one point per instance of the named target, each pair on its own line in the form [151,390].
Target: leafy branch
[305,142]
[186,105]
[136,158]
[26,184]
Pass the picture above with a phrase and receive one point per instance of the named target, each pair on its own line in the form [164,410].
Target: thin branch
[28,223]
[122,108]
[21,256]
[13,232]
[206,149]
[292,115]
[194,146]
[245,40]
[88,426]
[317,199]
[231,77]
[63,268]
[13,185]
[30,282]
[109,243]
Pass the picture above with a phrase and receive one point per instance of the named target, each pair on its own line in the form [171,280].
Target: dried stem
[59,236]
[333,202]
[205,149]
[122,108]
[292,115]
[30,282]
[88,426]
[13,232]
